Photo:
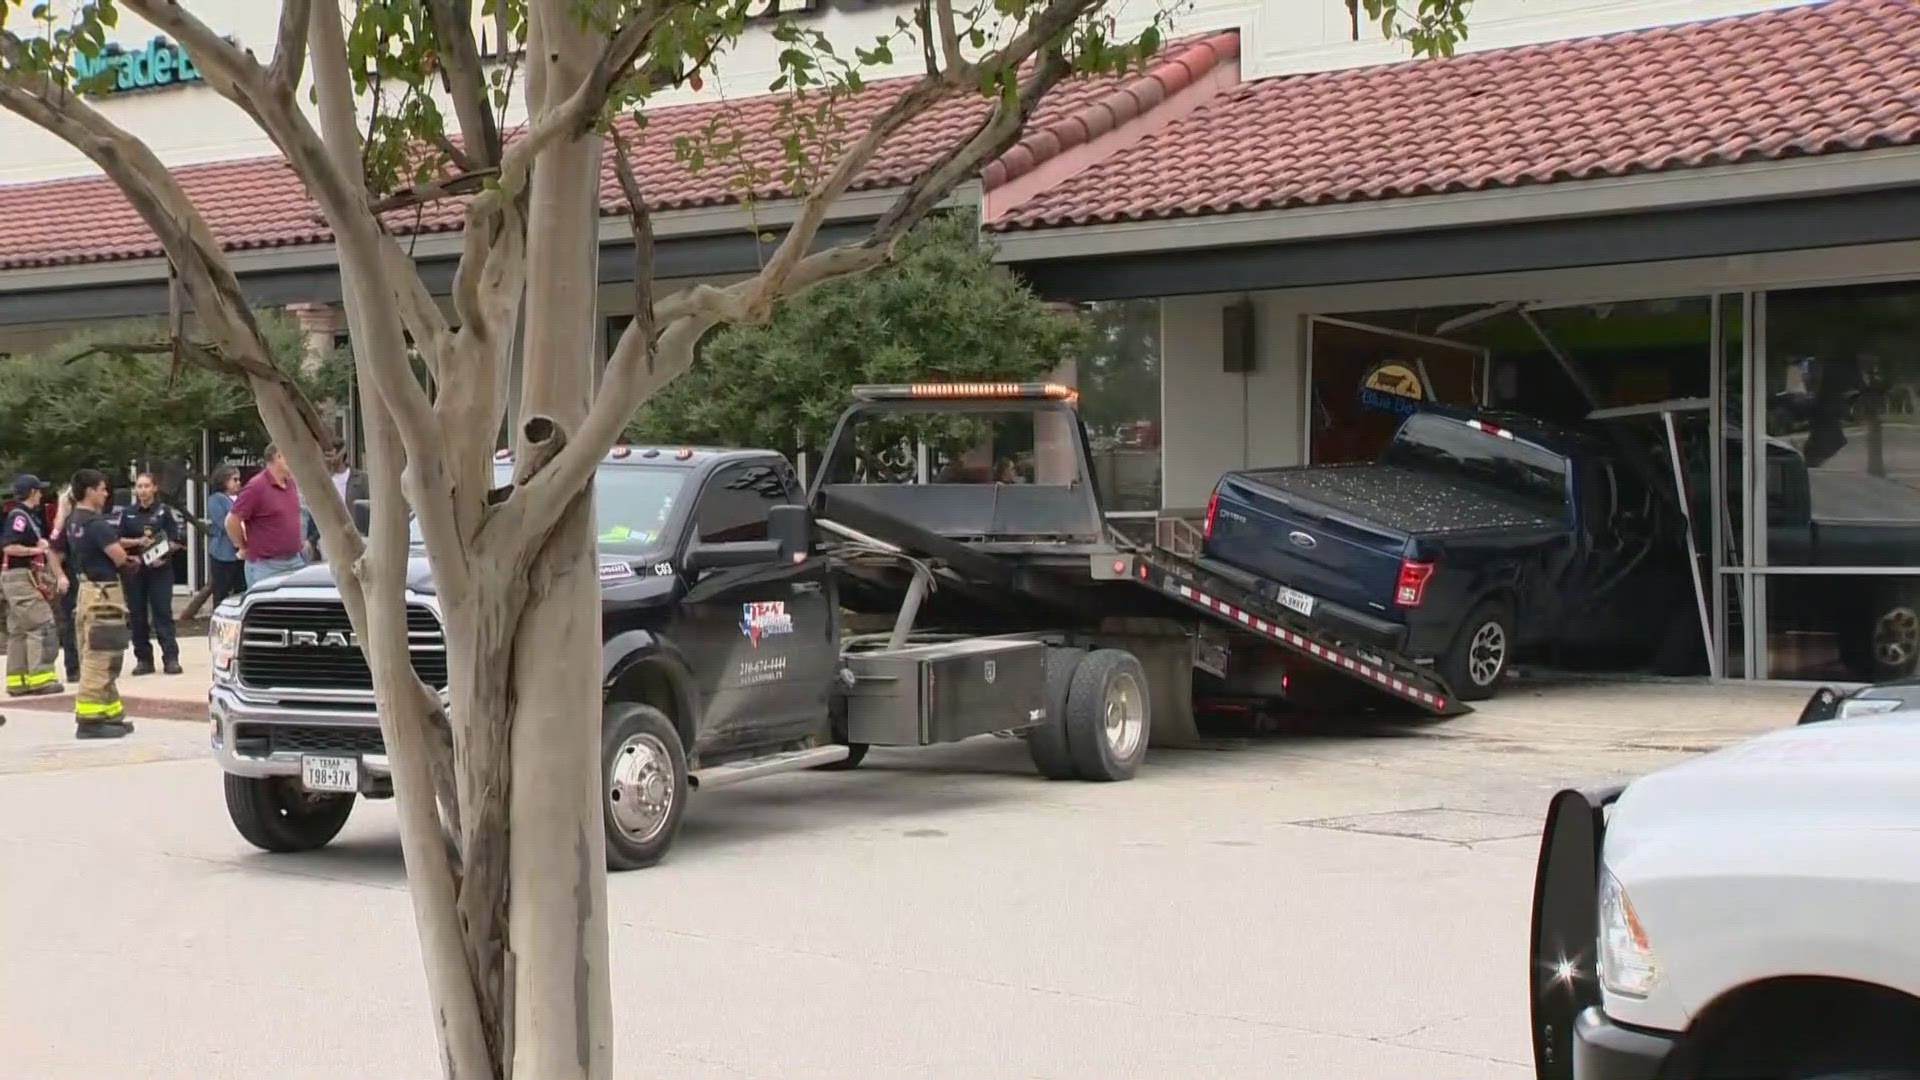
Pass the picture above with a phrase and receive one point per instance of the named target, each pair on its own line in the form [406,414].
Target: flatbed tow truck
[1010,607]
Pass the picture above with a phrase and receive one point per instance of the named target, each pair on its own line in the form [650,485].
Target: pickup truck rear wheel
[643,783]
[1882,642]
[274,813]
[1481,651]
[1108,716]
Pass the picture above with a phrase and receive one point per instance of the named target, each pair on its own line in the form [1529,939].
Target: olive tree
[387,105]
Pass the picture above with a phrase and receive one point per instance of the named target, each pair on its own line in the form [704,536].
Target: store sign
[1392,387]
[160,63]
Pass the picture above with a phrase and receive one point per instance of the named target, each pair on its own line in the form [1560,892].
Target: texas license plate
[1296,600]
[330,773]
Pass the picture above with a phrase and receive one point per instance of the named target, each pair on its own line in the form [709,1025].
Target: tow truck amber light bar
[1031,391]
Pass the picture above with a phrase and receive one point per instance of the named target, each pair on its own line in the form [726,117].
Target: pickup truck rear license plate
[1296,600]
[330,773]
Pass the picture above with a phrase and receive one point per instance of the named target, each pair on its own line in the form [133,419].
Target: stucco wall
[1216,420]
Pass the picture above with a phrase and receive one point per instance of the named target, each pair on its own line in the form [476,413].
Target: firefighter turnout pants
[100,628]
[33,639]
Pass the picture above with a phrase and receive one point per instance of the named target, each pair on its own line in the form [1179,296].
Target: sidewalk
[149,697]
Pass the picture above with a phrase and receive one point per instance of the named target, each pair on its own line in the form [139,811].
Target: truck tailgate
[1302,541]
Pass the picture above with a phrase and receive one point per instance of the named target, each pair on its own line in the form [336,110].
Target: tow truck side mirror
[791,527]
[789,540]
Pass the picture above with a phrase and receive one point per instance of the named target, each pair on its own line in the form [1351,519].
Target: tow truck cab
[717,617]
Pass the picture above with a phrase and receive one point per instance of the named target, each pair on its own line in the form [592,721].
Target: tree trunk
[562,1007]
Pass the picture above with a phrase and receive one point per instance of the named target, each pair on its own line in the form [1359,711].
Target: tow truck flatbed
[1079,579]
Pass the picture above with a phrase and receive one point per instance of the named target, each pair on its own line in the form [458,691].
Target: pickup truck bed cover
[1414,503]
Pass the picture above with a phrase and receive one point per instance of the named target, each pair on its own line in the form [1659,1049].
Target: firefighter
[100,620]
[154,528]
[30,577]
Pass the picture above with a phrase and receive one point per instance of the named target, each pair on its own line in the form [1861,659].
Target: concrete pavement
[1344,900]
[174,697]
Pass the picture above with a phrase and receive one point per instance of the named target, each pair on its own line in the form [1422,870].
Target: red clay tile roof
[1181,68]
[259,203]
[1826,78]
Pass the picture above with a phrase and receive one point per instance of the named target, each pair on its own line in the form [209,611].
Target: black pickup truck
[1475,534]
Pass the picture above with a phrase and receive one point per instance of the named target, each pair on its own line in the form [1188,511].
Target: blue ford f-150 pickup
[1475,534]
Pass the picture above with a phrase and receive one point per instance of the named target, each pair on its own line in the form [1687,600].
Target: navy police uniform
[150,587]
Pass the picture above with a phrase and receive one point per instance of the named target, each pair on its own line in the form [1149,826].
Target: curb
[144,708]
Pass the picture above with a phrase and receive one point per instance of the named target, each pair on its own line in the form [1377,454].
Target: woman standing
[70,656]
[229,574]
[152,530]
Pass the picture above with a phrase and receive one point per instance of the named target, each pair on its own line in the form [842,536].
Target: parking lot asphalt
[1341,899]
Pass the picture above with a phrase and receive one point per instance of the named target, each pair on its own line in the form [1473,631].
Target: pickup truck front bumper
[266,734]
[1604,1050]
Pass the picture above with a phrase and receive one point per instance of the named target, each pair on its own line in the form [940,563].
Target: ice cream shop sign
[118,70]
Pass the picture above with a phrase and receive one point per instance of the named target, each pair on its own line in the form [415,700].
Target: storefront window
[1853,628]
[1119,381]
[1842,412]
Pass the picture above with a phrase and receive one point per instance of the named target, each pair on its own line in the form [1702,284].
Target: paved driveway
[1339,901]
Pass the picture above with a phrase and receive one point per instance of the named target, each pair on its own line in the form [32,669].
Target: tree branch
[995,136]
[290,47]
[949,35]
[641,223]
[576,115]
[366,255]
[466,82]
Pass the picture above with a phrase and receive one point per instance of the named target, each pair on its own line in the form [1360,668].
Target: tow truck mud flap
[1253,614]
[1562,980]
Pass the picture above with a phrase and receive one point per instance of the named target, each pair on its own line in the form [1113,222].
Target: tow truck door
[761,639]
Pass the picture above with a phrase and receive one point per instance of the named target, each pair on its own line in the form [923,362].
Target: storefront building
[1714,222]
[1702,209]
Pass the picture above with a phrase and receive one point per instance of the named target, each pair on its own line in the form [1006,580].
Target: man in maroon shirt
[265,522]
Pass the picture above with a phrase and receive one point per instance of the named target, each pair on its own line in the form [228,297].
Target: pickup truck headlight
[223,638]
[1627,965]
[1870,706]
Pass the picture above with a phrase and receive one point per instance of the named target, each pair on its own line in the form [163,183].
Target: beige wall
[1215,420]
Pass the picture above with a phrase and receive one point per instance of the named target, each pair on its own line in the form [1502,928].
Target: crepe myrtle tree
[497,795]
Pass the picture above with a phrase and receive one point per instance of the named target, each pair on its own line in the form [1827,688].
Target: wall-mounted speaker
[1239,338]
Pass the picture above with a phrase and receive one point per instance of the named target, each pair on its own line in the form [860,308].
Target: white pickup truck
[1752,913]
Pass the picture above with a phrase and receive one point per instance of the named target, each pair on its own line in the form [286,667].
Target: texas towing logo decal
[764,618]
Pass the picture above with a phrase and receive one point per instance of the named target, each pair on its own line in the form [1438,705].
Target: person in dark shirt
[64,607]
[30,576]
[100,621]
[152,530]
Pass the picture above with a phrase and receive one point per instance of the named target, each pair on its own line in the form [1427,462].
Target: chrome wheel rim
[1896,638]
[640,787]
[1126,715]
[1487,653]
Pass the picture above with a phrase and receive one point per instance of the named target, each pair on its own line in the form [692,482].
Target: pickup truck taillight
[1412,586]
[1213,507]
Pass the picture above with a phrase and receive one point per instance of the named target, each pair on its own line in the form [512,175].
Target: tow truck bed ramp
[1189,582]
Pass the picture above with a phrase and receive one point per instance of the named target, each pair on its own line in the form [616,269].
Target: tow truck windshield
[631,506]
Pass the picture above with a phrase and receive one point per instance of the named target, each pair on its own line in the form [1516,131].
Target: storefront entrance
[1795,416]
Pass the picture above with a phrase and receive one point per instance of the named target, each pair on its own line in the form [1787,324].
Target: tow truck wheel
[1108,717]
[1481,651]
[644,783]
[274,813]
[1047,741]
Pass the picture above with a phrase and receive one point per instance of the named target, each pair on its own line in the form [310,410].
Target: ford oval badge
[1302,540]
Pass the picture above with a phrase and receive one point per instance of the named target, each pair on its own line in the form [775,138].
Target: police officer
[100,620]
[152,530]
[30,576]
